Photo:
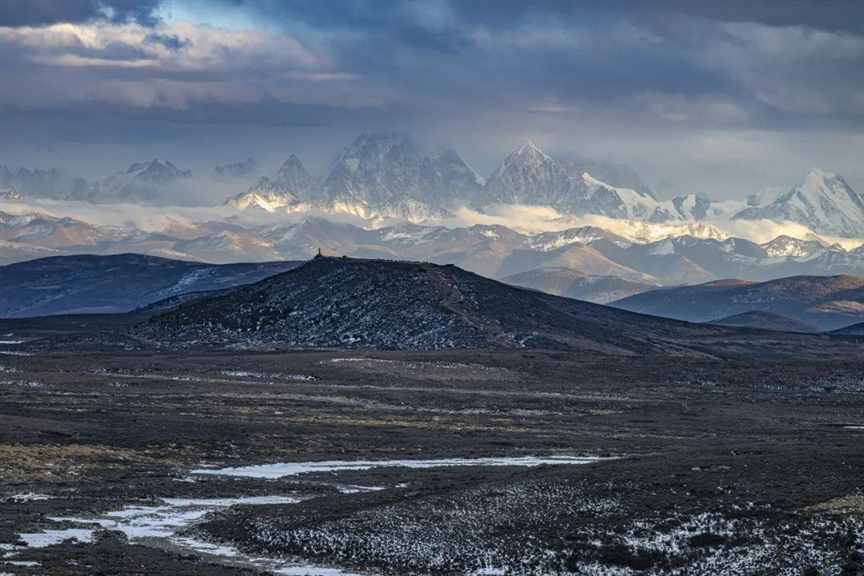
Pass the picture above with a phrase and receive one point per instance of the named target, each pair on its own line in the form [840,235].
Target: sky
[719,98]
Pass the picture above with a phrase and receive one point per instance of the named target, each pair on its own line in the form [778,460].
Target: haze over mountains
[384,175]
[388,175]
[573,227]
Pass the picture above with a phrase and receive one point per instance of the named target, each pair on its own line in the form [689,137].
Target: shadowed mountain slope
[764,321]
[825,302]
[112,284]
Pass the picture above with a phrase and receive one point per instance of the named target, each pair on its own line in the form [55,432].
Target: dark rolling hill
[764,321]
[856,330]
[342,302]
[114,284]
[824,302]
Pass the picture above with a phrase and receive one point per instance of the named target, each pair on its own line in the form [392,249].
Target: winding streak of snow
[165,520]
[281,470]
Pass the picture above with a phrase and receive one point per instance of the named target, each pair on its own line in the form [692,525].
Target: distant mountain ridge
[386,175]
[379,174]
[383,174]
[571,283]
[824,302]
[113,284]
[491,250]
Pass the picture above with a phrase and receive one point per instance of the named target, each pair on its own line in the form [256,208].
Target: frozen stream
[164,521]
[284,469]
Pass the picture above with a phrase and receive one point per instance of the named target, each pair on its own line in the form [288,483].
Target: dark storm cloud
[571,49]
[597,75]
[393,17]
[41,12]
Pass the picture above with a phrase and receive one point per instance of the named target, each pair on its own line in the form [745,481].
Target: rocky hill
[342,302]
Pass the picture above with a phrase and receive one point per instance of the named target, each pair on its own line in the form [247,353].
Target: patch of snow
[281,470]
[354,489]
[54,537]
[308,570]
[27,497]
[170,517]
[164,520]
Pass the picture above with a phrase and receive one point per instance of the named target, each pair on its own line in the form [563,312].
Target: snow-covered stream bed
[285,469]
[164,522]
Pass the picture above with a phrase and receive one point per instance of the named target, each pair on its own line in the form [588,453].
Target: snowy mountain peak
[293,175]
[786,246]
[157,172]
[530,153]
[824,202]
[291,185]
[823,182]
[526,176]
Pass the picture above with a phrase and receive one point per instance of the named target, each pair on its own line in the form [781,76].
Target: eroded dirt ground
[709,467]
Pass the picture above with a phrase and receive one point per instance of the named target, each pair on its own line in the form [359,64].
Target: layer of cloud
[718,98]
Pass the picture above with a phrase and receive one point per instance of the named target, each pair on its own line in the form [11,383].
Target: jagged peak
[157,166]
[819,173]
[293,165]
[819,179]
[528,154]
[529,148]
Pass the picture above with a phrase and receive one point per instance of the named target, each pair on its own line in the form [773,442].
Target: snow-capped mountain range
[149,182]
[404,203]
[825,203]
[384,175]
[377,175]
